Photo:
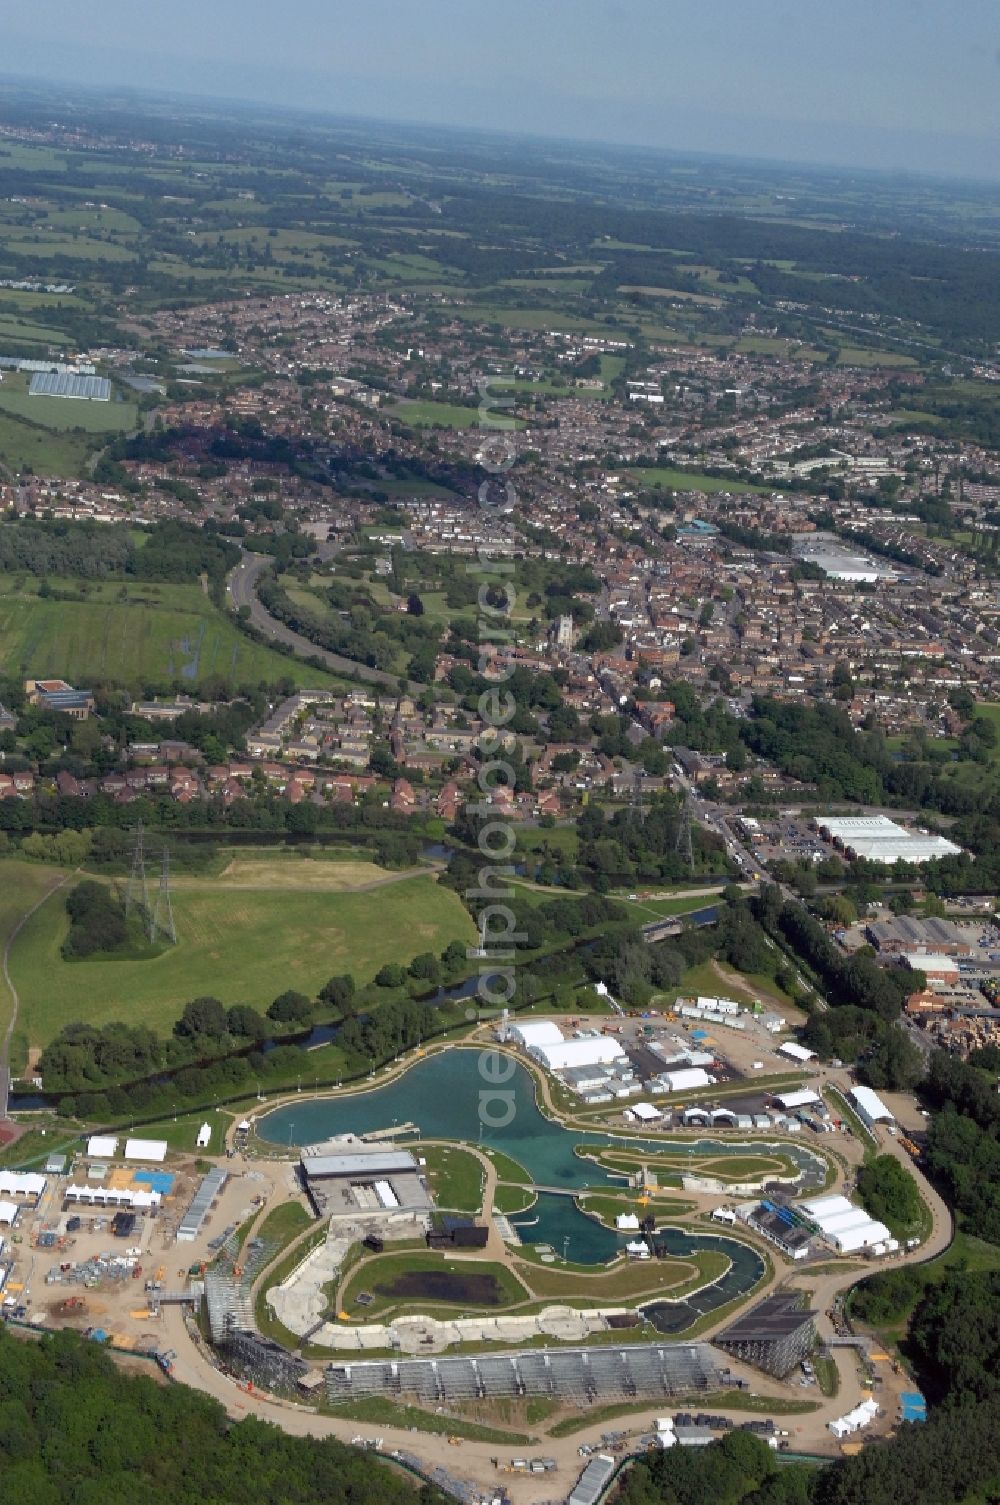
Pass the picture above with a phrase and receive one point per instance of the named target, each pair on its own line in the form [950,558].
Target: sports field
[134,634]
[684,480]
[238,942]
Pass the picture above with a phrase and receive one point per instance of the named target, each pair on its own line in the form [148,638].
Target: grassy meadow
[242,938]
[132,633]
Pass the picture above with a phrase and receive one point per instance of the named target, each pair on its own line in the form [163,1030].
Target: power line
[162,919]
[137,892]
[683,844]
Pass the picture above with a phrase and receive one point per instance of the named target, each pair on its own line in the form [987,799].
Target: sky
[911,85]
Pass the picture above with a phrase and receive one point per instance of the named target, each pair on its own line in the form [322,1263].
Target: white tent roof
[145,1149]
[8,1212]
[686,1078]
[537,1032]
[818,1207]
[862,1236]
[102,1146]
[646,1112]
[798,1099]
[593,1052]
[871,1104]
[796,1051]
[21,1184]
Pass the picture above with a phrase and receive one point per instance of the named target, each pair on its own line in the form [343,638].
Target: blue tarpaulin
[161,1181]
[914,1406]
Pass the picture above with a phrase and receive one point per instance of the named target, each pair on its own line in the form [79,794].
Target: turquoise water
[553,1220]
[452,1096]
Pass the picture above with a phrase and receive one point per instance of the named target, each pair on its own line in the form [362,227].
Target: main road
[242,589]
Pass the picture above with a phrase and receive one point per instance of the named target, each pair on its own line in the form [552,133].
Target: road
[242,589]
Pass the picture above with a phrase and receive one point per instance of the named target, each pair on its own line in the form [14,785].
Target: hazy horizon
[911,88]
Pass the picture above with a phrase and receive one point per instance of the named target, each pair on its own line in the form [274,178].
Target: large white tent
[801,1098]
[532,1032]
[597,1050]
[146,1149]
[846,1227]
[21,1184]
[862,1416]
[685,1080]
[870,1106]
[113,1196]
[797,1052]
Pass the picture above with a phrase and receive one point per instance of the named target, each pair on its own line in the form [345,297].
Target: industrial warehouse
[876,838]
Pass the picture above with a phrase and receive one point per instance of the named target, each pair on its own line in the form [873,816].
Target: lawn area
[389,1413]
[646,910]
[236,944]
[455,1177]
[533,318]
[683,480]
[133,633]
[181,1133]
[990,711]
[512,1199]
[288,870]
[285,1223]
[63,414]
[420,414]
[25,883]
[676,1160]
[859,355]
[47,452]
[634,1280]
[508,1169]
[397,1281]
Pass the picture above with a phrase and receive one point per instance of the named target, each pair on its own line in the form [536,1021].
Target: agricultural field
[135,634]
[236,942]
[51,434]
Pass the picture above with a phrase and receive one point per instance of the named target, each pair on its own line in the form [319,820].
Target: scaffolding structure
[775,1335]
[265,1363]
[575,1374]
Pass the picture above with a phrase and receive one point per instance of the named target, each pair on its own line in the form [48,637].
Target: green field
[455,1177]
[54,435]
[238,943]
[132,633]
[63,414]
[683,480]
[25,883]
[450,415]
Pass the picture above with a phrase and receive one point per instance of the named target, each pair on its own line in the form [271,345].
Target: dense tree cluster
[75,1428]
[98,921]
[963,1144]
[889,1193]
[172,550]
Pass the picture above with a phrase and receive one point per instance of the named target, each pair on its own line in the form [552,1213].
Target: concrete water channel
[448,1097]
